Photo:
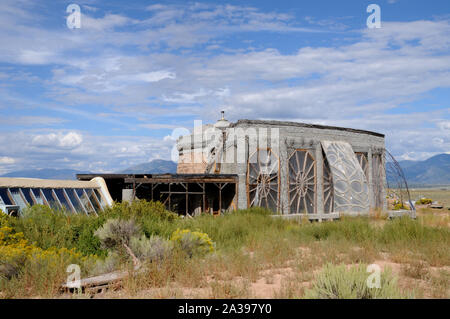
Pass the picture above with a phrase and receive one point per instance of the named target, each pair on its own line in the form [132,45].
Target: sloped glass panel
[85,200]
[18,198]
[93,199]
[38,196]
[74,200]
[4,196]
[62,199]
[27,193]
[100,198]
[48,193]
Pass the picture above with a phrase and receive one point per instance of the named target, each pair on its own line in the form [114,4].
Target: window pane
[62,199]
[37,196]
[75,202]
[85,200]
[99,196]
[26,193]
[18,198]
[93,199]
[4,196]
[48,193]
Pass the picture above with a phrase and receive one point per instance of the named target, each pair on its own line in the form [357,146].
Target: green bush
[338,282]
[139,210]
[116,233]
[193,242]
[397,205]
[46,228]
[151,249]
[424,201]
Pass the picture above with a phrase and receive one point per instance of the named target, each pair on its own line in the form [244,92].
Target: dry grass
[258,256]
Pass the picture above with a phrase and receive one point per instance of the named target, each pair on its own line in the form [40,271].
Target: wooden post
[220,198]
[187,198]
[170,207]
[204,198]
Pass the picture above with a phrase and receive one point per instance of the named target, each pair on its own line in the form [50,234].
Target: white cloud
[70,140]
[7,160]
[362,84]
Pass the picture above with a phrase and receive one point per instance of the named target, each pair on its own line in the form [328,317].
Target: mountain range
[433,171]
[156,166]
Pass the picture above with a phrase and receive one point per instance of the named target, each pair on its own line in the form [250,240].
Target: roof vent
[222,123]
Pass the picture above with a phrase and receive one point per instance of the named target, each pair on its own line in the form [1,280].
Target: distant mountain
[157,166]
[45,173]
[433,171]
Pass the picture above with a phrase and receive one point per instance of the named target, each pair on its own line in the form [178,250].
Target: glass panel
[5,197]
[18,198]
[37,196]
[26,193]
[85,200]
[48,193]
[93,199]
[62,199]
[100,198]
[75,202]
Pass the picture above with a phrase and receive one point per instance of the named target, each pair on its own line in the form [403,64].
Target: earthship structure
[293,169]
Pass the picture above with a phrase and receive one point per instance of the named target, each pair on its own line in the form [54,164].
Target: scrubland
[244,254]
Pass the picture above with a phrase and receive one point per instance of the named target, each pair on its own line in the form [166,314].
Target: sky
[111,94]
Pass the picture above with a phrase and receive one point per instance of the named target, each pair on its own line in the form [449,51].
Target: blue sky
[109,94]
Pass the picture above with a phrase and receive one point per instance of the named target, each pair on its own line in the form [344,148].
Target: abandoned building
[291,168]
[288,167]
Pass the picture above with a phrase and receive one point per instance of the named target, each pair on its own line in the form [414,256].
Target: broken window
[362,160]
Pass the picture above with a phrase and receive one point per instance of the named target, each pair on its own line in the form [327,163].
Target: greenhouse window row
[72,200]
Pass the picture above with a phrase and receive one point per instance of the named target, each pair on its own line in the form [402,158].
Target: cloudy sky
[110,94]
